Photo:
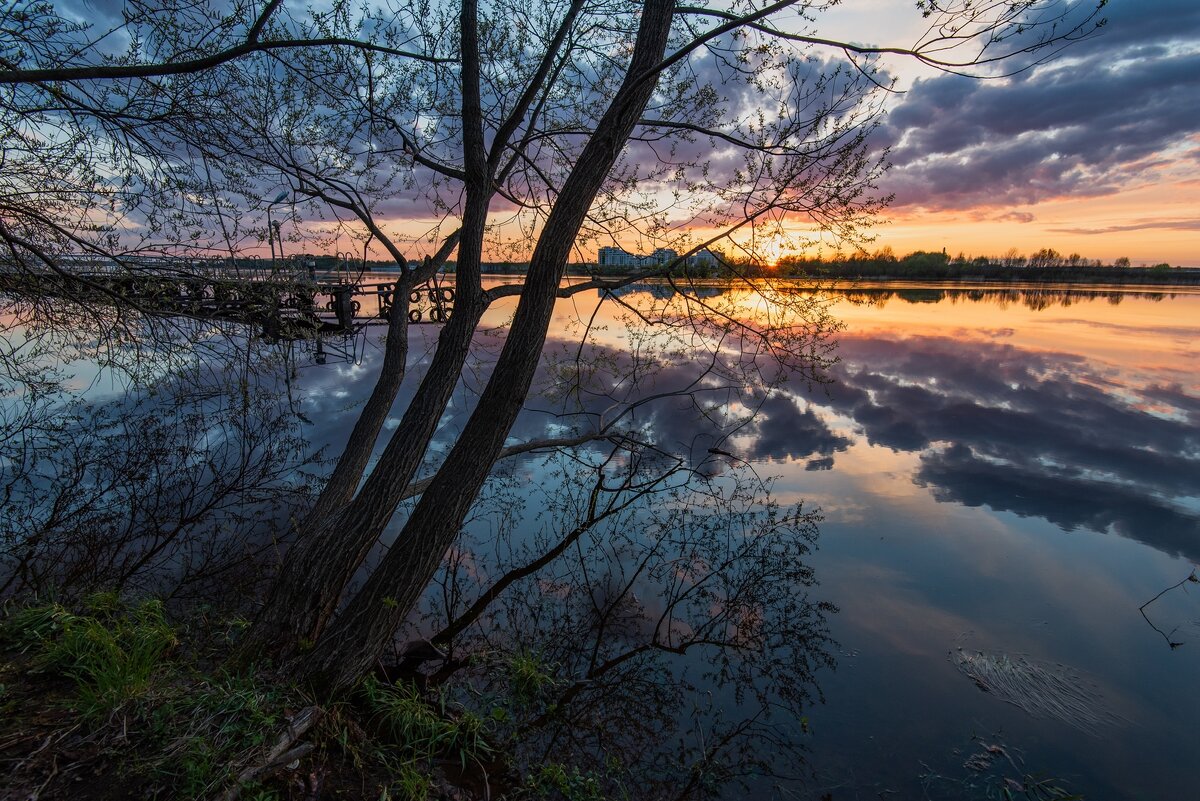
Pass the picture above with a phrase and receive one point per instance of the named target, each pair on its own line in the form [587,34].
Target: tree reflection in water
[661,636]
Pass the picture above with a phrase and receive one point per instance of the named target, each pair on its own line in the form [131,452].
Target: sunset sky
[1098,153]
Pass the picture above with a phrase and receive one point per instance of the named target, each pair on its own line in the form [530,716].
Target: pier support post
[343,306]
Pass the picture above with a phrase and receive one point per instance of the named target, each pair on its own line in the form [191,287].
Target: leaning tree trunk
[332,545]
[329,549]
[352,644]
[348,471]
[343,481]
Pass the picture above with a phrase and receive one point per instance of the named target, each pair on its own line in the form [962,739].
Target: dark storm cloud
[1102,115]
[1150,23]
[719,162]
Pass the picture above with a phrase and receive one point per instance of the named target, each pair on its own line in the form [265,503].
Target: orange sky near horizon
[1104,228]
[1060,224]
[1149,221]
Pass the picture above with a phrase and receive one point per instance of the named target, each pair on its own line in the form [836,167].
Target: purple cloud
[1090,124]
[1140,225]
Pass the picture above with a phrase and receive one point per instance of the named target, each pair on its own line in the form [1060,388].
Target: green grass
[184,733]
[553,780]
[425,729]
[529,678]
[110,651]
[213,725]
[111,681]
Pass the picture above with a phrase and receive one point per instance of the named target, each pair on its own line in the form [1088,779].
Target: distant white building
[616,257]
[619,257]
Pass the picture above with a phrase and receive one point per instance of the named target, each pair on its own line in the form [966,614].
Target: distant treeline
[1046,264]
[1043,265]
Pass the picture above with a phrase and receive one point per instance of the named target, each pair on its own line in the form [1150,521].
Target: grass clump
[155,720]
[424,729]
[529,678]
[409,783]
[110,684]
[212,726]
[110,651]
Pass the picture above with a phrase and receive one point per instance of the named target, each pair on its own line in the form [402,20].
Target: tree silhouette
[528,128]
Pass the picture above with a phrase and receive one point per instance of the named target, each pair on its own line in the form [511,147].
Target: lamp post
[273,229]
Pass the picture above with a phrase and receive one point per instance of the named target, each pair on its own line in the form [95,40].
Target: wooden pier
[283,305]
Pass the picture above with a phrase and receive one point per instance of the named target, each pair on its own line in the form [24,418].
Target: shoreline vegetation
[1044,266]
[138,701]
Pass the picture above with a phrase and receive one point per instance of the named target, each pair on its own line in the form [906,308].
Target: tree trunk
[325,556]
[333,545]
[338,491]
[352,644]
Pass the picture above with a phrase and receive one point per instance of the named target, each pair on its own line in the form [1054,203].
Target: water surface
[1006,477]
[1011,473]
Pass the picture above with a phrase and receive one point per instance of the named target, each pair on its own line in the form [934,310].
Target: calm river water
[1013,474]
[1009,480]
[1007,476]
